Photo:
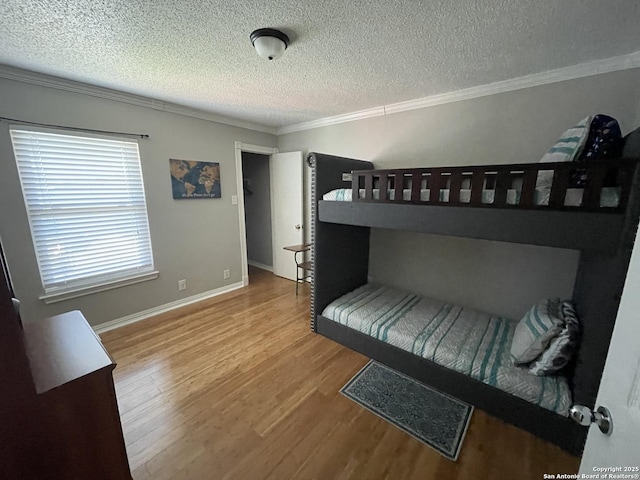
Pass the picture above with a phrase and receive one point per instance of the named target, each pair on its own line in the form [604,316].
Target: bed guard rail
[522,186]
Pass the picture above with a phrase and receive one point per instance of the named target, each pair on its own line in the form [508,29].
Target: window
[87,211]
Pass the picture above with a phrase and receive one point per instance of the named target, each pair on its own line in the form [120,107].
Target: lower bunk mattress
[473,343]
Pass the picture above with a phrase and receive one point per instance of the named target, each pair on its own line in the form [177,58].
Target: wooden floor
[237,387]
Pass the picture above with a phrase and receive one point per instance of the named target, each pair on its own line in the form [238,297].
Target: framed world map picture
[193,179]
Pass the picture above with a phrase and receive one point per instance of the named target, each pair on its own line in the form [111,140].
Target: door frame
[249,148]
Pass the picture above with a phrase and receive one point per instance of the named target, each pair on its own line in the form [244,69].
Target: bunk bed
[492,202]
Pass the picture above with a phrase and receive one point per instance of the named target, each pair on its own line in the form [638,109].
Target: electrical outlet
[182,284]
[226,274]
[234,199]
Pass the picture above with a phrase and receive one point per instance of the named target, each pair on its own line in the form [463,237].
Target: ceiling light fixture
[269,43]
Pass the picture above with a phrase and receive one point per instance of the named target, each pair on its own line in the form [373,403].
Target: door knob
[298,227]
[585,416]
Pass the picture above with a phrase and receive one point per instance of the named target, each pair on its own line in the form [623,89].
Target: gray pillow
[561,348]
[536,330]
[566,149]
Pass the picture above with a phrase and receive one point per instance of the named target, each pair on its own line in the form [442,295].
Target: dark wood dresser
[59,416]
[72,375]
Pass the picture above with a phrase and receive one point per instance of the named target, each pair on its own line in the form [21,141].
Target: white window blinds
[86,206]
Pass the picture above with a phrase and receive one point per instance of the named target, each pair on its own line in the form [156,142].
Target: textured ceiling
[345,56]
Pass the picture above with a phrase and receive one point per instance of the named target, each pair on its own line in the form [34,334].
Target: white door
[286,171]
[620,389]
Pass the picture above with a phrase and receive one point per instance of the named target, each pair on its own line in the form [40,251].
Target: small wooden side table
[303,268]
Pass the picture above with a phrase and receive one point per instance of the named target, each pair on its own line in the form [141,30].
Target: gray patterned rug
[436,419]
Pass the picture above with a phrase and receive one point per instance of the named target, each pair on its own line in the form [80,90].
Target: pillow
[536,329]
[632,145]
[561,348]
[604,141]
[566,149]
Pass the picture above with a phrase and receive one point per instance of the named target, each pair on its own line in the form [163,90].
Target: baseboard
[262,266]
[136,317]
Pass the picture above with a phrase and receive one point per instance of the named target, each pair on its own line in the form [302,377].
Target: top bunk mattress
[610,196]
[470,342]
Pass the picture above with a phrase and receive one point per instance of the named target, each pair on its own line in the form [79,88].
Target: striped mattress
[467,341]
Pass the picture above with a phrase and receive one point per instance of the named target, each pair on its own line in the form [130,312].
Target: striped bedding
[471,342]
[610,196]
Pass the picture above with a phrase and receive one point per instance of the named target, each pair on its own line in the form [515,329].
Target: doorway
[286,184]
[241,148]
[257,210]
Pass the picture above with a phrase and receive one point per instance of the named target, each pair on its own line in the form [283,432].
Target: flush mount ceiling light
[269,43]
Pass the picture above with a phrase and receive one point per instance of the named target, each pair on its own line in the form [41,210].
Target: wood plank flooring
[237,387]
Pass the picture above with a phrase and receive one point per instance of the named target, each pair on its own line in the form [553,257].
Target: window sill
[82,291]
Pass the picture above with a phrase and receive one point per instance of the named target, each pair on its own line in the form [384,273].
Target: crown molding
[26,76]
[622,62]
[324,122]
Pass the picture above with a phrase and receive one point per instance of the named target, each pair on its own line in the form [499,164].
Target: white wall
[197,239]
[513,127]
[192,239]
[501,278]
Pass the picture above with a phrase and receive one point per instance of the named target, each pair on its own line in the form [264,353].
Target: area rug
[435,419]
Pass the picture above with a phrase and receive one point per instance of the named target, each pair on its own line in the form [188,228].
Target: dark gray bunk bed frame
[604,237]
